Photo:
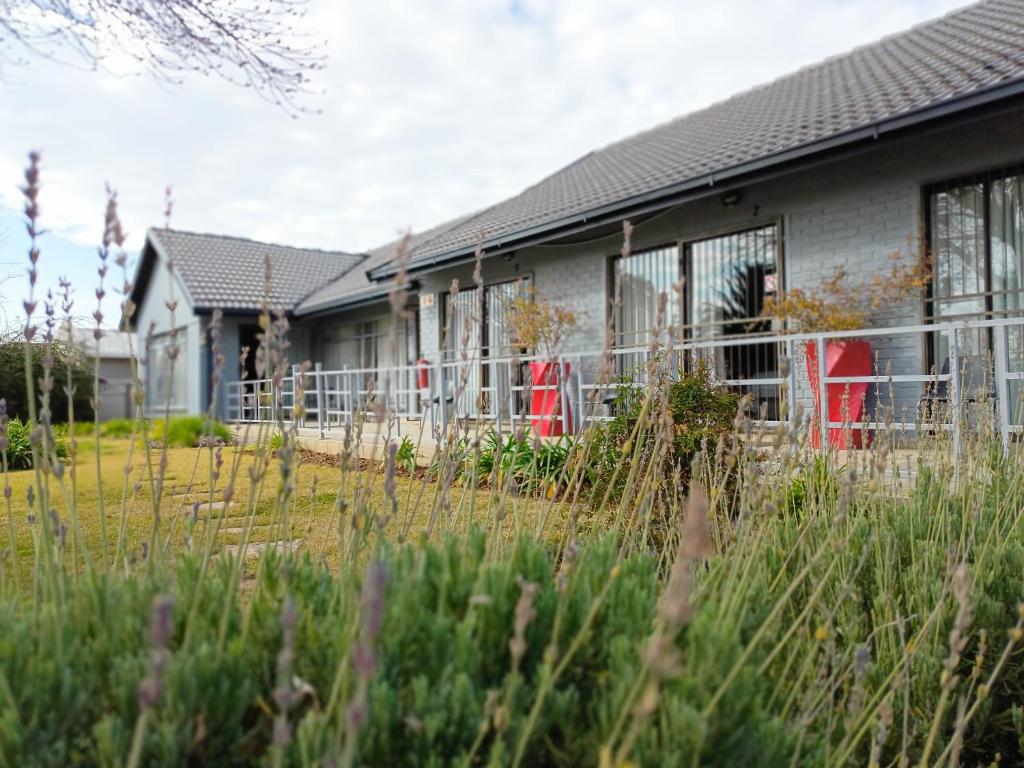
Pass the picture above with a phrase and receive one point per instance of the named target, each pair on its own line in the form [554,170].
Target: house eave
[374,294]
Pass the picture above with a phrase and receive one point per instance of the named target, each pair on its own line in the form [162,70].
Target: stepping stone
[241,529]
[257,548]
[215,508]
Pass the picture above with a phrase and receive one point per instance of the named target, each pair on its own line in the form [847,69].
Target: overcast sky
[430,109]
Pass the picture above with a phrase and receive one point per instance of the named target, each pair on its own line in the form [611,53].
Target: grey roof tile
[964,52]
[227,272]
[355,286]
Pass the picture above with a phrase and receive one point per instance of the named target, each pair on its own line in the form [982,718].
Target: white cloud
[431,110]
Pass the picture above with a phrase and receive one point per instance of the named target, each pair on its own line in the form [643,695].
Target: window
[166,379]
[479,330]
[727,279]
[367,340]
[640,279]
[411,336]
[487,334]
[976,240]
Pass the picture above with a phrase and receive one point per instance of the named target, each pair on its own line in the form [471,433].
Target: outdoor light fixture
[729,199]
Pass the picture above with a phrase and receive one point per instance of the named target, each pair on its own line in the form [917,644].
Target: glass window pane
[728,280]
[165,385]
[640,279]
[960,274]
[499,298]
[476,333]
[1006,242]
[368,344]
[958,248]
[462,324]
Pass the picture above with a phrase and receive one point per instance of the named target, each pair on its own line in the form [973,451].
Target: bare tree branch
[252,43]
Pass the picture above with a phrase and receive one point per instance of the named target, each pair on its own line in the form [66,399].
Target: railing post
[276,399]
[1002,387]
[332,395]
[493,401]
[563,397]
[396,396]
[442,397]
[823,415]
[350,396]
[511,396]
[581,402]
[318,383]
[428,401]
[955,389]
[296,387]
[791,387]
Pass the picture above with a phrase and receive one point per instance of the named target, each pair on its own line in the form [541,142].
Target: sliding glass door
[640,279]
[976,239]
[728,279]
[478,334]
[725,281]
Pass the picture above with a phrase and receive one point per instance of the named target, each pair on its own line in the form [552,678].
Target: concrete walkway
[372,444]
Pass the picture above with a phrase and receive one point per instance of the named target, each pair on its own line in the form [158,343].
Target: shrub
[186,431]
[12,374]
[118,428]
[532,463]
[702,413]
[19,444]
[813,483]
[276,441]
[405,456]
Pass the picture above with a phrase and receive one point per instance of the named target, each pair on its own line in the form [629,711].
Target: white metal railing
[502,390]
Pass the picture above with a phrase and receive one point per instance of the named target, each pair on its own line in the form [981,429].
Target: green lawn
[325,506]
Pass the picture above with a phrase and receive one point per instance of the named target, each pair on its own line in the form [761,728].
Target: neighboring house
[336,314]
[116,353]
[916,141]
[209,272]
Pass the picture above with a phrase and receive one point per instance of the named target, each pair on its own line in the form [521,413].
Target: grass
[314,517]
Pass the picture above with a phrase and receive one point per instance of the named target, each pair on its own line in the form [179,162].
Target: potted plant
[841,305]
[539,325]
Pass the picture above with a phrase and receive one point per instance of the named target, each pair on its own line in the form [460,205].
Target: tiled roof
[964,53]
[223,272]
[355,286]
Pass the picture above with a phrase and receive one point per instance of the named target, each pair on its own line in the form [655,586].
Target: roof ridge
[240,239]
